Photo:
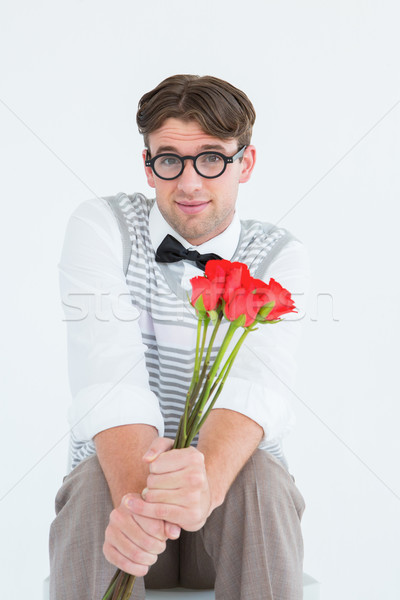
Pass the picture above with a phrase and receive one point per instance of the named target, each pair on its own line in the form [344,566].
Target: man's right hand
[133,542]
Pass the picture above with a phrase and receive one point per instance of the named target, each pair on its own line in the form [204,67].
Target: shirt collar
[223,244]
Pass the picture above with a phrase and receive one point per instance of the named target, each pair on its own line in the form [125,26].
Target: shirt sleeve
[106,356]
[263,374]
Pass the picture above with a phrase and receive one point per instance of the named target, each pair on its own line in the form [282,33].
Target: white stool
[311,589]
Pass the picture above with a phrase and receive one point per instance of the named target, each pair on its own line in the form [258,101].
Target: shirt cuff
[102,406]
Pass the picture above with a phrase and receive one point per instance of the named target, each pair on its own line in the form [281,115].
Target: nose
[190,181]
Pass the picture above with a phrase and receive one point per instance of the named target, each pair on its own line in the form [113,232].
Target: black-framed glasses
[207,164]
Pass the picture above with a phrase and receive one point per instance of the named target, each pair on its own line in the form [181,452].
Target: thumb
[157,447]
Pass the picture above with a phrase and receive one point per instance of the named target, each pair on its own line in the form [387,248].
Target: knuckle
[192,499]
[105,550]
[160,512]
[115,517]
[140,557]
[135,569]
[155,467]
[151,480]
[153,559]
[195,516]
[108,534]
[167,444]
[160,529]
[110,553]
[156,528]
[198,457]
[151,496]
[142,570]
[136,556]
[195,478]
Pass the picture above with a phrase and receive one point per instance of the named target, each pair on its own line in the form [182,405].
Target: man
[224,514]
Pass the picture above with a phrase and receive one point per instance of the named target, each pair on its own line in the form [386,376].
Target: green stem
[198,387]
[195,391]
[193,425]
[179,434]
[203,342]
[119,586]
[130,582]
[227,367]
[196,359]
[194,385]
[214,333]
[231,357]
[111,585]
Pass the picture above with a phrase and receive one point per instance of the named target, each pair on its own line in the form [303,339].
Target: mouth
[192,208]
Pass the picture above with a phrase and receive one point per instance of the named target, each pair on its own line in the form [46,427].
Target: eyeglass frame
[149,162]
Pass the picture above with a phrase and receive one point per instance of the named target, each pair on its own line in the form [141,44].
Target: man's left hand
[177,489]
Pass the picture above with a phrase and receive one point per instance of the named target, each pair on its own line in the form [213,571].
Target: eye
[210,159]
[169,161]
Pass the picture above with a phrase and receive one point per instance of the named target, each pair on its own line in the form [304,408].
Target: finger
[172,531]
[158,446]
[190,518]
[153,511]
[153,527]
[127,555]
[123,563]
[175,460]
[166,481]
[131,550]
[177,497]
[193,476]
[126,530]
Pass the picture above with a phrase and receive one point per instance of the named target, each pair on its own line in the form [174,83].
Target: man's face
[196,207]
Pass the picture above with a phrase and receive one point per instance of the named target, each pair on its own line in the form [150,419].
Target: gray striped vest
[164,307]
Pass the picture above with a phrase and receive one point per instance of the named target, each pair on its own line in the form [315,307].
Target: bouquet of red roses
[226,291]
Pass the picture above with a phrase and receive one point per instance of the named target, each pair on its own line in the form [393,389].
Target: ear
[148,170]
[247,164]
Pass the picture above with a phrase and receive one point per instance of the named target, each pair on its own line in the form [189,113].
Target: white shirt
[107,369]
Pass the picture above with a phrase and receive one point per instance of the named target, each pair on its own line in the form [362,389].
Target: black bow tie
[170,250]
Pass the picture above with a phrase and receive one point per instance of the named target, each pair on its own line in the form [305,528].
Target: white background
[324,79]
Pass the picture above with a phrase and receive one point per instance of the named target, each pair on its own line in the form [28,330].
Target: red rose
[217,270]
[247,299]
[242,294]
[274,292]
[206,291]
[242,302]
[237,278]
[252,296]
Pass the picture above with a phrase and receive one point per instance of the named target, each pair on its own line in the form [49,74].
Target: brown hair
[220,109]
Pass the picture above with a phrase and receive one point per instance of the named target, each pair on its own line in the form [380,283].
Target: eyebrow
[217,147]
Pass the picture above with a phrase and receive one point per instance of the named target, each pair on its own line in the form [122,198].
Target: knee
[83,505]
[83,485]
[265,480]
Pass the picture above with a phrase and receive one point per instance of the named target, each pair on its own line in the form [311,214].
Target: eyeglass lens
[208,164]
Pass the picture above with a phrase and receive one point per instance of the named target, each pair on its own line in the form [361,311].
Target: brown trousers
[251,547]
